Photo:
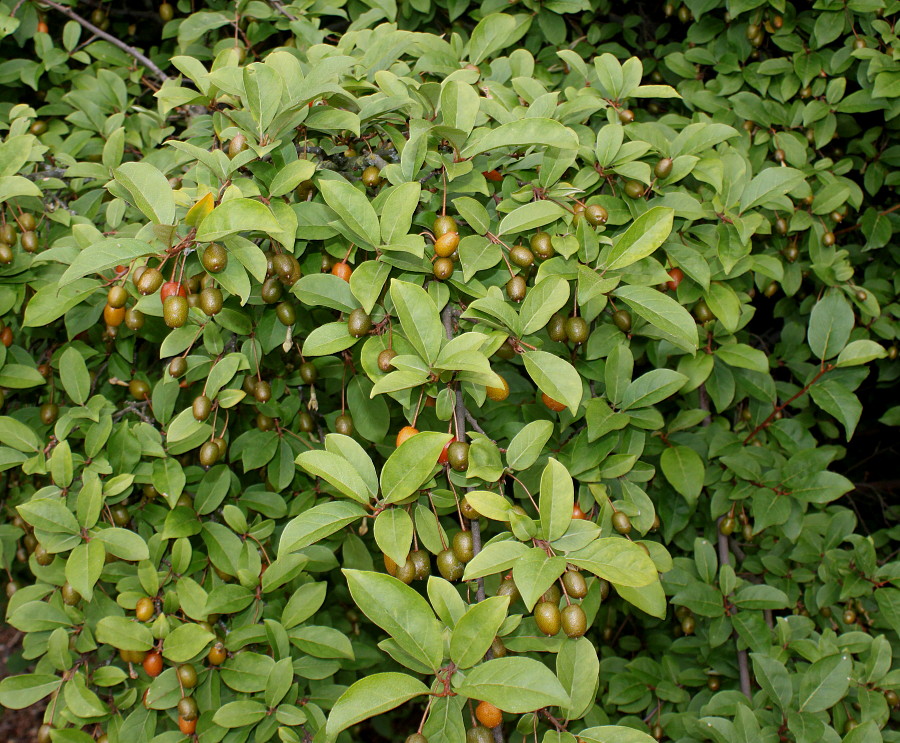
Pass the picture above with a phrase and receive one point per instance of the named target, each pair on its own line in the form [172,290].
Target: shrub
[451,371]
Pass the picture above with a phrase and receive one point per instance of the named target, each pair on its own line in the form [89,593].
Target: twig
[725,559]
[778,408]
[474,423]
[280,8]
[138,55]
[45,174]
[137,409]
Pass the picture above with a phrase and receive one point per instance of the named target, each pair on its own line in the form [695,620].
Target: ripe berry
[342,271]
[153,664]
[677,276]
[577,513]
[175,311]
[542,245]
[359,323]
[187,727]
[498,394]
[170,288]
[516,288]
[621,523]
[217,654]
[405,433]
[187,709]
[214,258]
[444,224]
[521,256]
[488,715]
[555,406]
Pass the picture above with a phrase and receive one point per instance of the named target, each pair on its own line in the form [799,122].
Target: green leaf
[531,216]
[650,599]
[684,470]
[73,374]
[773,677]
[397,211]
[522,132]
[317,523]
[262,93]
[186,642]
[150,191]
[124,634]
[332,337]
[494,558]
[476,629]
[419,318]
[556,501]
[653,387]
[619,561]
[19,692]
[49,514]
[617,733]
[578,669]
[84,566]
[546,297]
[20,376]
[742,356]
[393,533]
[237,215]
[371,696]
[555,377]
[642,237]
[860,352]
[12,186]
[367,281]
[514,685]
[239,714]
[830,323]
[526,446]
[836,399]
[401,612]
[105,254]
[769,184]
[825,683]
[411,464]
[534,572]
[18,435]
[664,313]
[291,176]
[353,207]
[474,213]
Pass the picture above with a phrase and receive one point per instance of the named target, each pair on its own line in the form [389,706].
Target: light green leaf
[150,190]
[371,696]
[663,312]
[317,523]
[353,207]
[555,377]
[522,132]
[556,501]
[411,464]
[419,318]
[642,237]
[515,685]
[476,629]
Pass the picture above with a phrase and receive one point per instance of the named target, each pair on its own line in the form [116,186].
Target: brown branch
[778,408]
[725,559]
[138,55]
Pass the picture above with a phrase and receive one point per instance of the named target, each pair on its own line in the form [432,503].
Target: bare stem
[138,55]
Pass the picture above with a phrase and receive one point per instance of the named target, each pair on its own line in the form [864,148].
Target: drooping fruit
[187,675]
[577,330]
[677,276]
[309,372]
[458,456]
[371,177]
[621,523]
[521,256]
[634,189]
[443,224]
[386,359]
[217,654]
[574,583]
[548,618]
[663,168]
[359,323]
[554,405]
[153,664]
[214,258]
[596,214]
[342,270]
[201,407]
[149,281]
[498,394]
[573,620]
[542,245]
[446,244]
[343,424]
[463,546]
[488,715]
[622,320]
[442,269]
[516,288]
[407,432]
[187,709]
[171,288]
[175,311]
[449,565]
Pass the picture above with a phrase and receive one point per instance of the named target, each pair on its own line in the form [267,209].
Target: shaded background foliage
[736,160]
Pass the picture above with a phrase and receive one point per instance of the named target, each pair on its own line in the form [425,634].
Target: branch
[45,174]
[725,559]
[460,413]
[138,55]
[280,8]
[778,408]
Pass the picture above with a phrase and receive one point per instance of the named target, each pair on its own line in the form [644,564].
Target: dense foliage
[451,372]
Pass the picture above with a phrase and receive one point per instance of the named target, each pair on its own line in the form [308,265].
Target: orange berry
[170,288]
[186,726]
[446,244]
[153,664]
[442,459]
[43,27]
[677,275]
[498,393]
[405,433]
[551,403]
[114,316]
[488,715]
[577,513]
[492,175]
[342,271]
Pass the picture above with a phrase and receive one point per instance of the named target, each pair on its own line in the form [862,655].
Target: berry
[573,620]
[342,271]
[498,394]
[488,715]
[407,432]
[548,618]
[153,664]
[555,406]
